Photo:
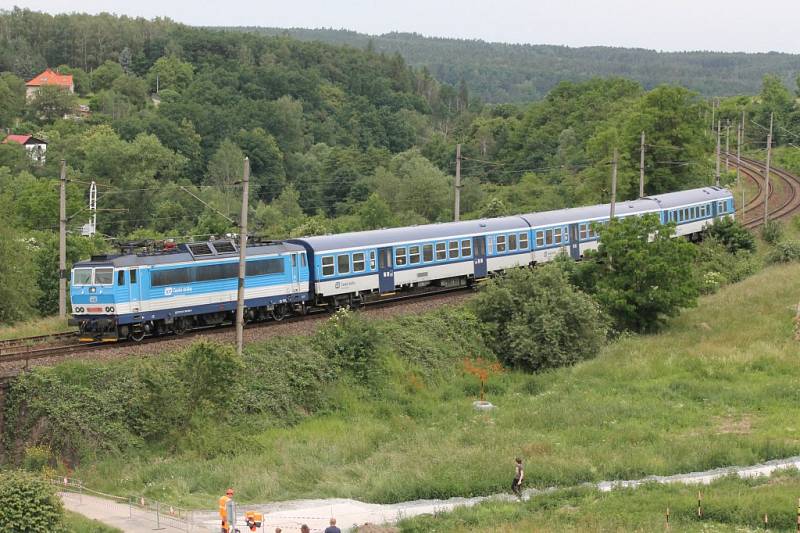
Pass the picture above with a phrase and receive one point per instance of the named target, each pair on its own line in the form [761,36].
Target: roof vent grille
[224,247]
[200,249]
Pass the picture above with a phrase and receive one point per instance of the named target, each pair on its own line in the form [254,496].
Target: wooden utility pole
[739,164]
[641,169]
[766,171]
[457,206]
[719,126]
[242,258]
[613,184]
[62,242]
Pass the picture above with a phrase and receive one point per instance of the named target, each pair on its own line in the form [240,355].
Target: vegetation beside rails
[729,504]
[714,389]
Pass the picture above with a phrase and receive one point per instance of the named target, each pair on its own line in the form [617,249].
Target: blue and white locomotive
[195,285]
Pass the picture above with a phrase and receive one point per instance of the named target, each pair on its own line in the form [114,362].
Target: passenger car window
[133,276]
[466,248]
[453,245]
[427,253]
[523,241]
[400,257]
[557,235]
[539,238]
[548,237]
[413,255]
[103,276]
[512,242]
[501,244]
[372,260]
[343,263]
[327,265]
[120,277]
[358,262]
[441,251]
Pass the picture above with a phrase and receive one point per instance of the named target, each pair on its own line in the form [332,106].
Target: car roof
[180,256]
[426,232]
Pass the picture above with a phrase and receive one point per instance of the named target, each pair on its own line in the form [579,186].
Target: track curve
[782,204]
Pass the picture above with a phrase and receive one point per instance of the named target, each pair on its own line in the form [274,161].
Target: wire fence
[160,515]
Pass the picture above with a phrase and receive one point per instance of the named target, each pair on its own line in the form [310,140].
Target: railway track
[25,354]
[782,204]
[23,344]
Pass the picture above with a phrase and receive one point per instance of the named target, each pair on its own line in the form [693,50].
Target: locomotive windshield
[103,276]
[82,276]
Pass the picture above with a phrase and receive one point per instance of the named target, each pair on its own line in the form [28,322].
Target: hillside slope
[500,72]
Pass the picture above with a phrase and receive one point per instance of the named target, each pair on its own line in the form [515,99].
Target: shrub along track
[15,360]
[784,201]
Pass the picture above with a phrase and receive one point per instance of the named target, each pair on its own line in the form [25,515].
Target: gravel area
[254,333]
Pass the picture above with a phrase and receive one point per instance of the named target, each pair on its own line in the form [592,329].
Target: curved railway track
[22,353]
[782,204]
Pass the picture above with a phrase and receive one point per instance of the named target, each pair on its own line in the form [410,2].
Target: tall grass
[730,504]
[717,388]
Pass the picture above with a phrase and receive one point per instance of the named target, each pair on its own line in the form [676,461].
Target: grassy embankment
[76,523]
[32,328]
[729,504]
[719,387]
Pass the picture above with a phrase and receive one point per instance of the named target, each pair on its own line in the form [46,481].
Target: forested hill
[501,72]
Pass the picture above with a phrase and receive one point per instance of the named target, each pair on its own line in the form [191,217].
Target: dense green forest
[338,138]
[501,72]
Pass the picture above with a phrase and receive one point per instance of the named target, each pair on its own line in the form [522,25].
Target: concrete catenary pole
[641,169]
[766,171]
[613,184]
[727,145]
[242,258]
[719,126]
[62,242]
[457,206]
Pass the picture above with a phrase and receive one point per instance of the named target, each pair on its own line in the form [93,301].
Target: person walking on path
[332,528]
[227,511]
[519,475]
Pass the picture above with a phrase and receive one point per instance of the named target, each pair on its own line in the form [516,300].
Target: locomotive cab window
[358,262]
[343,263]
[82,276]
[327,265]
[466,248]
[400,257]
[103,276]
[441,251]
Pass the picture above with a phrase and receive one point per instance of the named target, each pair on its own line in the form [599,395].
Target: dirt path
[290,515]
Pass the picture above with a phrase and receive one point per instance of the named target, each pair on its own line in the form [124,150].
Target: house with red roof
[49,77]
[37,148]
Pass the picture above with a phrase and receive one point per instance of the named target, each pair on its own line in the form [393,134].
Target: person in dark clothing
[519,475]
[332,528]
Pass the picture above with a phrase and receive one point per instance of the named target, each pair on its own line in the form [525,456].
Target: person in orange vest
[227,511]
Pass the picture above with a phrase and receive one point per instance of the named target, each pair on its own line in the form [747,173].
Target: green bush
[784,252]
[28,503]
[731,234]
[350,342]
[772,231]
[36,458]
[715,266]
[209,371]
[537,320]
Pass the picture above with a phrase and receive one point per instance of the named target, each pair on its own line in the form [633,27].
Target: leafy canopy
[640,274]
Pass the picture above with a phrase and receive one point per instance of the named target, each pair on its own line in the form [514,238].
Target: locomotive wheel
[179,326]
[137,335]
[279,312]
